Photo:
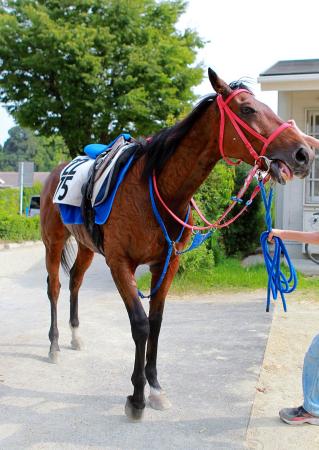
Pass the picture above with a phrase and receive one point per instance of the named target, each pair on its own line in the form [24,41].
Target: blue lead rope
[277,280]
[170,243]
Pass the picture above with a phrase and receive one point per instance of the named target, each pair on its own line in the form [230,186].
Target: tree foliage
[23,145]
[89,69]
[242,237]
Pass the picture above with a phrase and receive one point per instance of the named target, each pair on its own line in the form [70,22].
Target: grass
[228,275]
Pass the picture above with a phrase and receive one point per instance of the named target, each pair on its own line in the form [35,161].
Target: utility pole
[26,170]
[21,186]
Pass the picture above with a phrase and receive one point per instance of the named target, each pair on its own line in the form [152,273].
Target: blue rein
[170,243]
[277,280]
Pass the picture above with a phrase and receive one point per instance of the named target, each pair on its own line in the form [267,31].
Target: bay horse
[182,158]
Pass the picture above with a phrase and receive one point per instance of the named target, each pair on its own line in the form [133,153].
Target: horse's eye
[246,110]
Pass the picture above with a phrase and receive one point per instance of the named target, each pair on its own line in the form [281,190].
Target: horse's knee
[53,334]
[53,289]
[140,329]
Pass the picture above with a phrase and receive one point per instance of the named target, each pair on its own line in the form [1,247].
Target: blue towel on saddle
[94,150]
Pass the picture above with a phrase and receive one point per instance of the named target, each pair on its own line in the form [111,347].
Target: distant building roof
[11,179]
[293,67]
[293,75]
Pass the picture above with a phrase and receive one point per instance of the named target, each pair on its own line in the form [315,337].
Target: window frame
[311,179]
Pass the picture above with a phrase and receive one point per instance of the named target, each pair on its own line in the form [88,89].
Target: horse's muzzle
[287,165]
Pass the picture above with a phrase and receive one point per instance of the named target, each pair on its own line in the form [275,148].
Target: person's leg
[310,378]
[309,412]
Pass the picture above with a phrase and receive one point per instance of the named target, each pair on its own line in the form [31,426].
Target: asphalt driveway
[211,349]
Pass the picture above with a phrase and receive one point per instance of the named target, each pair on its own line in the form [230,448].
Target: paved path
[210,353]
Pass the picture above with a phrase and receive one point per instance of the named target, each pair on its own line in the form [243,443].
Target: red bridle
[237,122]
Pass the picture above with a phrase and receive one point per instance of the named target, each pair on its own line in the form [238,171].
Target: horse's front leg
[157,398]
[123,275]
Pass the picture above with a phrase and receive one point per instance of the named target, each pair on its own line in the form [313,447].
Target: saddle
[98,186]
[88,184]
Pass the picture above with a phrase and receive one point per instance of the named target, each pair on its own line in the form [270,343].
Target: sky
[244,38]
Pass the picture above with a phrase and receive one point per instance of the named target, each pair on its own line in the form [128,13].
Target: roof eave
[297,82]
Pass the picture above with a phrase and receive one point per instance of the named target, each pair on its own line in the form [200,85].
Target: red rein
[236,122]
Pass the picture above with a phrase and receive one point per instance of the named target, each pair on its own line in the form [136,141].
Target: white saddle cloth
[75,174]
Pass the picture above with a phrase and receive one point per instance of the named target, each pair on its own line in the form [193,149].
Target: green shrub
[10,198]
[19,228]
[212,198]
[196,260]
[242,237]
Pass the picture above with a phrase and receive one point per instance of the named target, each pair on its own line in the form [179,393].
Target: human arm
[308,237]
[312,141]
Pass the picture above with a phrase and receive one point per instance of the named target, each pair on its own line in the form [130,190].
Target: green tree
[89,69]
[23,145]
[20,146]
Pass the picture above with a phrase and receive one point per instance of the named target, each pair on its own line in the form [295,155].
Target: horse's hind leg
[82,263]
[157,398]
[123,275]
[53,258]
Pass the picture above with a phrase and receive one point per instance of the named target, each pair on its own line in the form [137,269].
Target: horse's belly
[81,235]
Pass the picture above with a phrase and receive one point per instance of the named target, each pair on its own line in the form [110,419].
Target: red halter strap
[236,122]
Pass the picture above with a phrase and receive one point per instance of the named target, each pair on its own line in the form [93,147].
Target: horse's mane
[163,144]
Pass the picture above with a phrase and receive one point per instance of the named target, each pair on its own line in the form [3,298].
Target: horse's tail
[67,257]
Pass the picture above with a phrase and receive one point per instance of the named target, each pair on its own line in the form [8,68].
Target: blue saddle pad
[72,215]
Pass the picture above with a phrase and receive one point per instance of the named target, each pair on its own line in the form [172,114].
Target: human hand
[273,233]
[311,141]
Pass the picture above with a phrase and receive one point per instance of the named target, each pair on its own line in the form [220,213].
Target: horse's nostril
[302,156]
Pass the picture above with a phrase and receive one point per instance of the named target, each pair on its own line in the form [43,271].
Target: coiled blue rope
[277,280]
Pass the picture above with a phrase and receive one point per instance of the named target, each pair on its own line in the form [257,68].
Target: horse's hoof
[76,344]
[54,357]
[159,401]
[131,411]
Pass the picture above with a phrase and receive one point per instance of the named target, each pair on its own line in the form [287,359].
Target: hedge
[14,227]
[19,228]
[10,198]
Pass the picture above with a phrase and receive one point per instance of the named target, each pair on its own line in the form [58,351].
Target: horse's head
[249,129]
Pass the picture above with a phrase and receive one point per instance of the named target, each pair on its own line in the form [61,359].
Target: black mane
[163,144]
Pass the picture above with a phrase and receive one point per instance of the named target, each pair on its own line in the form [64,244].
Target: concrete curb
[13,245]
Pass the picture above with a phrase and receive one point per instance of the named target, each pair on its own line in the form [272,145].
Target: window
[312,181]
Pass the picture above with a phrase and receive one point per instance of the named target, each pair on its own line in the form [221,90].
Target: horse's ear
[218,84]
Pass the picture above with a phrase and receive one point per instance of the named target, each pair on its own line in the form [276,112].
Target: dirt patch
[279,384]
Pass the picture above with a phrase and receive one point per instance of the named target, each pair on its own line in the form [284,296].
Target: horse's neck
[193,160]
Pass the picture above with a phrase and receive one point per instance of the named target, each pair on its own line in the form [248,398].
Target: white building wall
[290,203]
